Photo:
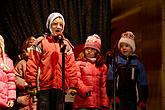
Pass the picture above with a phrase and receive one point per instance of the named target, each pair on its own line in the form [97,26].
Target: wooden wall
[163,58]
[145,19]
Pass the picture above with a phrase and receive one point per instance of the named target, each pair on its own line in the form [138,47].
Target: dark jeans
[50,99]
[127,105]
[68,106]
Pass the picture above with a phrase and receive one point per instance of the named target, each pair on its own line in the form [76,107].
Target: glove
[142,104]
[10,103]
[72,91]
[117,100]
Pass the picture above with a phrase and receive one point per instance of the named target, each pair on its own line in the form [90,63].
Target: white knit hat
[93,41]
[50,19]
[128,37]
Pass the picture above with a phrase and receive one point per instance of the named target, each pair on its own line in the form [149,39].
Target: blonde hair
[2,46]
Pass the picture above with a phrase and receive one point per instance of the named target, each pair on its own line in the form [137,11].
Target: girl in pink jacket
[7,79]
[91,92]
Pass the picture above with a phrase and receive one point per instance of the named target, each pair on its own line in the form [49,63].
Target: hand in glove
[117,100]
[10,103]
[72,91]
[142,104]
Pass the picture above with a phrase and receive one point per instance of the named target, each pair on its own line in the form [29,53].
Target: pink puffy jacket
[91,79]
[7,82]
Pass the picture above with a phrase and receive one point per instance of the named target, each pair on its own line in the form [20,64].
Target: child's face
[90,52]
[125,49]
[57,26]
[30,42]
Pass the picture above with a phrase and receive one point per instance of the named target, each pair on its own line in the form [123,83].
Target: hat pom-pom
[128,34]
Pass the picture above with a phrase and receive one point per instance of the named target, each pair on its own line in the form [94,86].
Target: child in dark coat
[129,75]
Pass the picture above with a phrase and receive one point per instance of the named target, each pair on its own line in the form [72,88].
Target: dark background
[22,18]
[107,18]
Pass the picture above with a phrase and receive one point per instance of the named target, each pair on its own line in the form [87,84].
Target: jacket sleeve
[82,89]
[19,72]
[142,83]
[11,81]
[70,65]
[104,98]
[20,83]
[71,70]
[32,66]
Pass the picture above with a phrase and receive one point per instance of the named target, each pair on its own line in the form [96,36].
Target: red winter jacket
[48,57]
[91,79]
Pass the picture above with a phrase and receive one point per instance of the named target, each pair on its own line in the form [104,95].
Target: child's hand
[117,100]
[26,84]
[72,91]
[10,103]
[142,105]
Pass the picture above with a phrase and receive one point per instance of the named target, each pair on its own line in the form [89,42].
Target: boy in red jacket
[44,65]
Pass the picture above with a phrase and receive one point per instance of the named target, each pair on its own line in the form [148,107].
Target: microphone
[59,35]
[60,39]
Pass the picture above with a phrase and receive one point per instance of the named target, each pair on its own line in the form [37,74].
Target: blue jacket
[130,74]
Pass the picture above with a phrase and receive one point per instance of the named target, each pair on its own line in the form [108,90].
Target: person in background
[7,79]
[44,66]
[129,76]
[24,99]
[91,91]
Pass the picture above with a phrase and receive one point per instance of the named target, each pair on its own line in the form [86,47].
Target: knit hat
[93,41]
[127,37]
[50,19]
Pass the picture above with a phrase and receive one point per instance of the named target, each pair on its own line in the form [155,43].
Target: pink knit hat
[93,41]
[128,37]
